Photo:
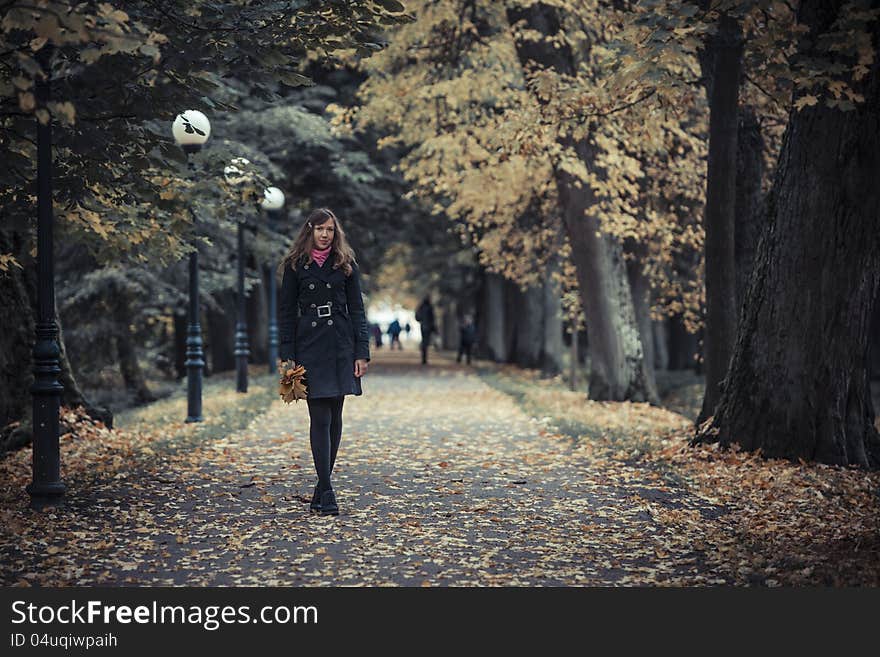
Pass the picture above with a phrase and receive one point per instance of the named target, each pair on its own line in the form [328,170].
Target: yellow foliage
[482,138]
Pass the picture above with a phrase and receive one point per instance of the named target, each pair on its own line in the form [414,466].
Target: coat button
[313,305]
[314,323]
[306,267]
[328,285]
[329,322]
[311,286]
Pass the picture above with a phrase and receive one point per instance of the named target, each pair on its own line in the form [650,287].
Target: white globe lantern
[273,199]
[191,129]
[236,171]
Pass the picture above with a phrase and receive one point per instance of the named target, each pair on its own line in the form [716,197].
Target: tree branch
[619,109]
[762,90]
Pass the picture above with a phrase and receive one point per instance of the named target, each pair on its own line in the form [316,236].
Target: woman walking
[323,327]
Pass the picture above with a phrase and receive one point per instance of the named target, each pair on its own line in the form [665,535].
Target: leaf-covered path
[442,479]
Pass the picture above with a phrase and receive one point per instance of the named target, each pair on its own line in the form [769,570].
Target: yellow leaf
[804,101]
[27,102]
[65,111]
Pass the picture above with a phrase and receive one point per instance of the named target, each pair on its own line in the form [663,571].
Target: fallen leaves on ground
[442,479]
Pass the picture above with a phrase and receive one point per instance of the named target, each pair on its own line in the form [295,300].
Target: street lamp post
[235,174]
[191,130]
[242,348]
[46,390]
[272,203]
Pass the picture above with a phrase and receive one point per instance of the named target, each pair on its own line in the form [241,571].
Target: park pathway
[441,480]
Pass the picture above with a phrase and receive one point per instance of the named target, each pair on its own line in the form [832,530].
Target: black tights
[325,432]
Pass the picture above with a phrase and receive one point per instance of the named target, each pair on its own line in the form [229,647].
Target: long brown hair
[301,251]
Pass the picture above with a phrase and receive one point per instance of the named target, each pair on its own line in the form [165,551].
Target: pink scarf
[320,256]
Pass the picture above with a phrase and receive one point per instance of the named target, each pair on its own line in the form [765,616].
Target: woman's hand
[360,367]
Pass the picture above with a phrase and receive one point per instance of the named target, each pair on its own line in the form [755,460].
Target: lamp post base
[241,375]
[47,489]
[195,357]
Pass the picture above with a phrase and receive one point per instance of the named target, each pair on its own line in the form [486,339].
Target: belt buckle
[325,306]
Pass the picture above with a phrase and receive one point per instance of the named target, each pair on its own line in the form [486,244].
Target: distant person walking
[467,335]
[394,333]
[425,318]
[377,335]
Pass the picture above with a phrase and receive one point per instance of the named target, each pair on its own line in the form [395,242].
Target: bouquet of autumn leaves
[291,387]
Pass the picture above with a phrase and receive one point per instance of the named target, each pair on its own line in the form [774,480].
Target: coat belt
[323,310]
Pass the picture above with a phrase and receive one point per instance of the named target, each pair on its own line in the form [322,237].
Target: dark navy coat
[326,346]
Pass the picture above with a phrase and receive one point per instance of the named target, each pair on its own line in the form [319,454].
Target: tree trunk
[16,346]
[661,345]
[574,363]
[797,386]
[135,382]
[220,330]
[529,321]
[258,324]
[180,323]
[617,369]
[513,305]
[749,175]
[494,317]
[448,328]
[874,344]
[641,294]
[552,348]
[718,222]
[18,299]
[683,346]
[72,396]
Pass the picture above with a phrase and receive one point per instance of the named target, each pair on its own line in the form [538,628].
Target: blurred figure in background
[377,335]
[425,318]
[394,333]
[467,335]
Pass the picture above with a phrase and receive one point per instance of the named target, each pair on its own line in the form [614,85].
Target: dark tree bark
[749,207]
[617,358]
[16,345]
[683,346]
[718,221]
[874,344]
[797,386]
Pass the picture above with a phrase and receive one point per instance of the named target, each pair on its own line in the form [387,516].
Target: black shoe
[328,503]
[315,504]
